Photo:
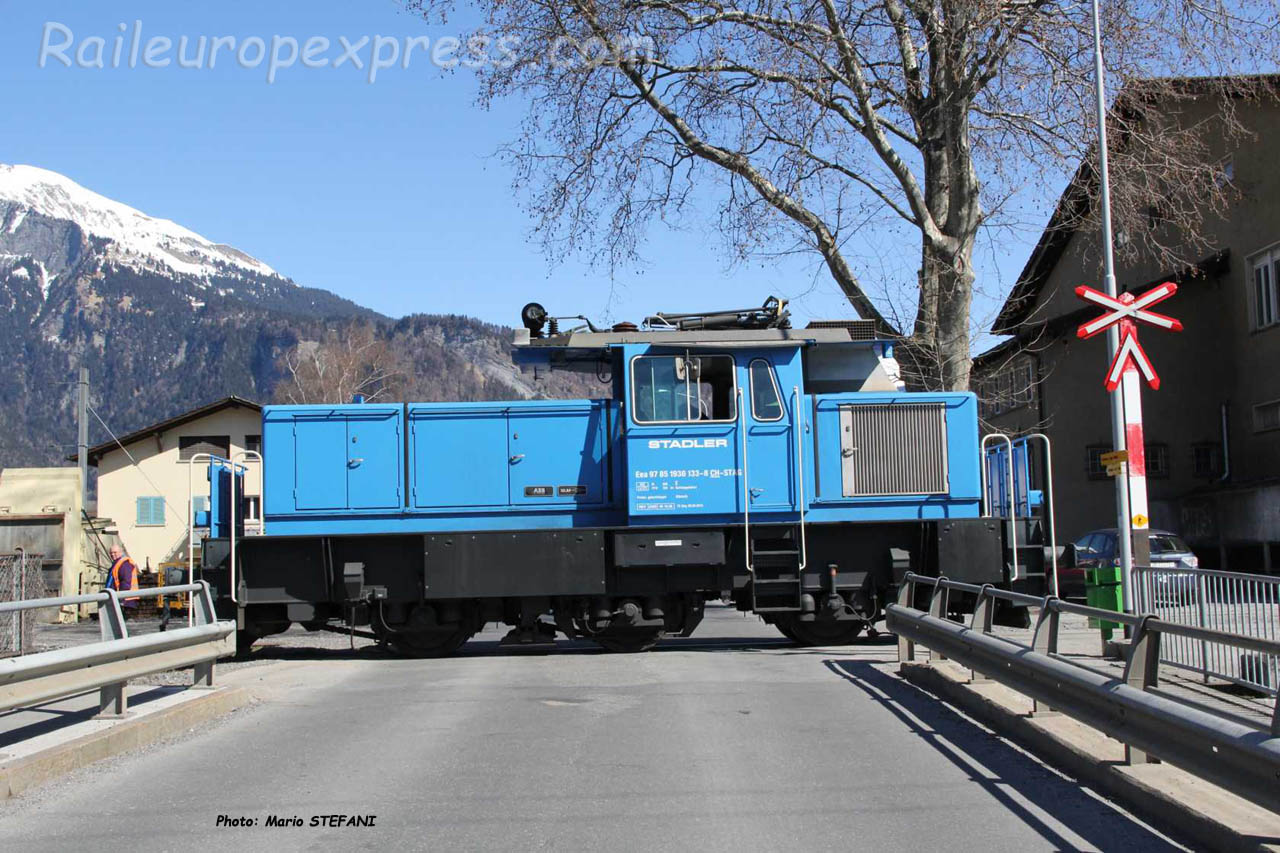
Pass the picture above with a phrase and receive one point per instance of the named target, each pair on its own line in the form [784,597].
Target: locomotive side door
[557,453]
[769,416]
[683,455]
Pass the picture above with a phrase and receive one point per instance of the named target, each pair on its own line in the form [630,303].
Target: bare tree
[807,121]
[348,361]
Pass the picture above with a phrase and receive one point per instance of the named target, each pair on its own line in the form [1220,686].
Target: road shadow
[959,739]
[298,650]
[23,724]
[490,647]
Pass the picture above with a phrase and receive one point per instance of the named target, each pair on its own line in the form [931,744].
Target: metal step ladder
[777,582]
[1007,496]
[775,553]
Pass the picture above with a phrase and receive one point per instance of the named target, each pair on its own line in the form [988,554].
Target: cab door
[683,453]
[770,401]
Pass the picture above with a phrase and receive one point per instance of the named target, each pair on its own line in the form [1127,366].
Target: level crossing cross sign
[1127,311]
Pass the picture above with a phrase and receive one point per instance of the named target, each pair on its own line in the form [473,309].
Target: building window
[150,512]
[252,508]
[1207,460]
[1011,387]
[200,503]
[1024,384]
[1266,416]
[1157,460]
[217,445]
[253,443]
[1093,461]
[1264,270]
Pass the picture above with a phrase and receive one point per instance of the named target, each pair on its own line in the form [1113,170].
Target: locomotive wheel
[630,642]
[832,633]
[429,644]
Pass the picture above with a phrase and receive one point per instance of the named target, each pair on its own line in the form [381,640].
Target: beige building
[144,479]
[1213,427]
[41,513]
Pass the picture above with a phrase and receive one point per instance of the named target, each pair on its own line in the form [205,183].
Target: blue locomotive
[786,471]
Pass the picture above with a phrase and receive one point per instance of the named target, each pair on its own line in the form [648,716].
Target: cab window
[766,403]
[682,389]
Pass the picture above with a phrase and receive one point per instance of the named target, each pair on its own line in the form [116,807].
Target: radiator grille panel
[894,449]
[859,330]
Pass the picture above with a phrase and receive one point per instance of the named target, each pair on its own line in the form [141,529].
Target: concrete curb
[1171,798]
[22,774]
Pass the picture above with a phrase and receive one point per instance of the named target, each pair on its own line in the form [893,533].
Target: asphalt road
[731,740]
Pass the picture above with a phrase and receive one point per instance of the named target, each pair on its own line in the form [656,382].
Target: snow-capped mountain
[167,320]
[135,239]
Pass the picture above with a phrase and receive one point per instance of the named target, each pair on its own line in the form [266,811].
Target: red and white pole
[1135,469]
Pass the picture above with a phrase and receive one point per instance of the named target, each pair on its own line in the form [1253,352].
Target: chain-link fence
[20,578]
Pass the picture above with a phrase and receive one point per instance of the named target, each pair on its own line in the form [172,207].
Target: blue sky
[388,194]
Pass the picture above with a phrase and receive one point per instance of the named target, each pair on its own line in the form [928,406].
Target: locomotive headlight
[534,317]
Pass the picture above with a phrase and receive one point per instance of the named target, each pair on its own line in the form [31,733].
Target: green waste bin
[1102,589]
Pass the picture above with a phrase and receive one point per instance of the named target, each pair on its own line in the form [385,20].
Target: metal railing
[987,509]
[1229,602]
[21,576]
[1225,751]
[108,665]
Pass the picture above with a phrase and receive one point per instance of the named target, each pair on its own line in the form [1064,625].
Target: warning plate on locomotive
[570,491]
[539,491]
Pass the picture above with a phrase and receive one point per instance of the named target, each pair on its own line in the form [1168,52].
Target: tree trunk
[955,294]
[937,356]
[941,346]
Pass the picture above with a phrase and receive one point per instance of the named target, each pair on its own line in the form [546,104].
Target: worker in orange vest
[123,577]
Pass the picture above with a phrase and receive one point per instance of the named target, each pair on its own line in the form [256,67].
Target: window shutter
[150,511]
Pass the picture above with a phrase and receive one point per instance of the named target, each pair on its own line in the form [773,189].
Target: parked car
[1099,548]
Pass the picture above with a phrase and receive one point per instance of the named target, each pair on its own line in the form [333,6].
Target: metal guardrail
[108,665]
[1230,602]
[1238,757]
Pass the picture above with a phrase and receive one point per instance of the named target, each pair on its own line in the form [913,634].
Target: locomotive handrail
[795,425]
[191,516]
[231,559]
[1013,497]
[746,486]
[1223,750]
[191,522]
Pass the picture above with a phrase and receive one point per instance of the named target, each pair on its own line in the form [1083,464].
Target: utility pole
[1119,428]
[82,434]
